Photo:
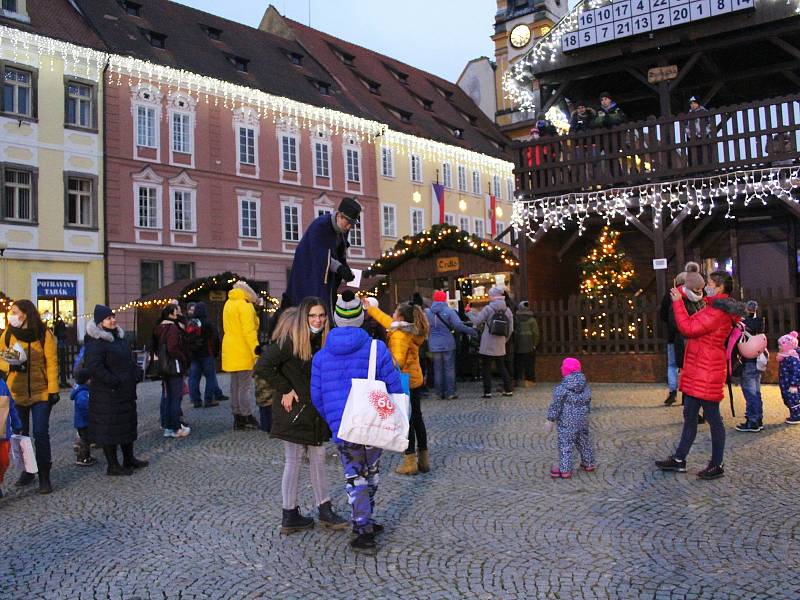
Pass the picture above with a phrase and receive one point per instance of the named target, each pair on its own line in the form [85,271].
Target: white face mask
[691,295]
[14,321]
[316,329]
[711,291]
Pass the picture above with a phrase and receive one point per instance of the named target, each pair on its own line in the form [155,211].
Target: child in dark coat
[570,411]
[80,396]
[9,421]
[789,375]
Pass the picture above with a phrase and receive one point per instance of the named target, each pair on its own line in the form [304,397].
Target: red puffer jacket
[706,332]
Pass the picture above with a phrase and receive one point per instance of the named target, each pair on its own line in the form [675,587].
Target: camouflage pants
[361,466]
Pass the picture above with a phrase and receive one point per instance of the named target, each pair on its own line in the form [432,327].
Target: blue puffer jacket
[80,396]
[13,420]
[442,319]
[789,376]
[345,356]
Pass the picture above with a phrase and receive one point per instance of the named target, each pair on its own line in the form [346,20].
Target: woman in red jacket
[704,369]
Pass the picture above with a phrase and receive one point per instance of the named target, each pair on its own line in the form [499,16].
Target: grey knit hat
[348,311]
[495,292]
[751,306]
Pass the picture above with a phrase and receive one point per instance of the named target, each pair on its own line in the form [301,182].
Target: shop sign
[217,295]
[443,265]
[56,288]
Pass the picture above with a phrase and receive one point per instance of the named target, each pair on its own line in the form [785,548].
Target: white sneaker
[169,433]
[183,432]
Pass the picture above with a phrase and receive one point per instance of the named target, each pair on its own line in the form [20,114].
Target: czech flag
[491,211]
[437,204]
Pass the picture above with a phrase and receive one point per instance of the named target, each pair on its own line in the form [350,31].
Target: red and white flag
[437,204]
[491,213]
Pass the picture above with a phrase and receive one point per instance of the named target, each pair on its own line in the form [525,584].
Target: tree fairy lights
[699,196]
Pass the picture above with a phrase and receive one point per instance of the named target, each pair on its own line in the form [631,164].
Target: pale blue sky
[439,36]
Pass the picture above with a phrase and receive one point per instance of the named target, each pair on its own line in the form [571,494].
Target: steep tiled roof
[56,19]
[188,45]
[406,98]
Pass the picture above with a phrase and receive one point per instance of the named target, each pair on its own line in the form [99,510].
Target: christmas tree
[605,275]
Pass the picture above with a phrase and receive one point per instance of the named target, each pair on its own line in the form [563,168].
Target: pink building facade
[195,188]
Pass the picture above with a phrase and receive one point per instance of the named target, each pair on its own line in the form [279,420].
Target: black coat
[112,389]
[284,372]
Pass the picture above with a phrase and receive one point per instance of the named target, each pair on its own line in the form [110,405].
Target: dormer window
[402,115]
[458,133]
[323,88]
[157,40]
[132,9]
[471,119]
[212,32]
[399,75]
[347,59]
[372,86]
[427,104]
[297,59]
[447,94]
[240,63]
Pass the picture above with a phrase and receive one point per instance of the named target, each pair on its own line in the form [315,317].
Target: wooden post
[658,243]
[680,249]
[523,287]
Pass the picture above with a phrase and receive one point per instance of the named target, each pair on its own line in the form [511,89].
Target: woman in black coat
[286,367]
[112,391]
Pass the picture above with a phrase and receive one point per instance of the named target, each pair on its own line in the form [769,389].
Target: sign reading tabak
[443,265]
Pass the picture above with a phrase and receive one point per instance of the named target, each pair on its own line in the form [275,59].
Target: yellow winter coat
[240,330]
[404,343]
[41,378]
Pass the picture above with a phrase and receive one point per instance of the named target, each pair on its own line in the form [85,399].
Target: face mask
[691,295]
[316,329]
[14,321]
[710,291]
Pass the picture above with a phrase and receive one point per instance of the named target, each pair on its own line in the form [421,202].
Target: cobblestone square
[201,521]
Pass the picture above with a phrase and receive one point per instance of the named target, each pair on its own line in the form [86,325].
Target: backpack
[498,323]
[194,336]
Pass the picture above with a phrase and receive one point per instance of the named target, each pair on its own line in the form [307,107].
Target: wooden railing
[758,134]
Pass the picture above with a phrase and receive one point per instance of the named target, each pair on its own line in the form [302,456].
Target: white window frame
[387,162]
[79,100]
[290,160]
[146,99]
[479,227]
[256,205]
[17,85]
[476,183]
[415,168]
[182,106]
[450,219]
[352,167]
[184,145]
[80,196]
[463,223]
[356,235]
[322,168]
[299,207]
[154,219]
[496,189]
[18,188]
[501,225]
[246,118]
[510,188]
[416,211]
[447,175]
[146,119]
[462,178]
[390,232]
[243,147]
[191,196]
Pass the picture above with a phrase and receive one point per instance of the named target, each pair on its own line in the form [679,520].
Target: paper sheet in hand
[356,283]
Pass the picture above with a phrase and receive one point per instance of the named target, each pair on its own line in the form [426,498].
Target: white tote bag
[372,416]
[22,454]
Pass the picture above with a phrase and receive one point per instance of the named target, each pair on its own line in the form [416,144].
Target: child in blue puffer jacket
[789,375]
[10,422]
[80,396]
[344,357]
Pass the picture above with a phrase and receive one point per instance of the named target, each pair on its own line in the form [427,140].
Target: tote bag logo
[382,403]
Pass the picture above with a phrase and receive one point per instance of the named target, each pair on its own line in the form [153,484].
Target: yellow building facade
[51,168]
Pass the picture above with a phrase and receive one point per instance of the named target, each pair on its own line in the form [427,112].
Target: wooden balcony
[730,138]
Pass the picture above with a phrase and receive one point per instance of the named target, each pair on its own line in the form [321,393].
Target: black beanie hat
[101,313]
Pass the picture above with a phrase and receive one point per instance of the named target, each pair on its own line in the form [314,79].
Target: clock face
[520,35]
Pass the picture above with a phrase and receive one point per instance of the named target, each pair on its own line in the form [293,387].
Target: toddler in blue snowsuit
[9,422]
[80,396]
[570,411]
[789,375]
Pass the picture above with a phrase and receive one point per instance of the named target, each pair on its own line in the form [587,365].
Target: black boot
[129,461]
[45,487]
[250,422]
[329,519]
[25,479]
[364,541]
[293,521]
[671,398]
[238,423]
[114,469]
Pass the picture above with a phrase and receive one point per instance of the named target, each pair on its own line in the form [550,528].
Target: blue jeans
[444,372]
[672,369]
[203,367]
[172,394]
[40,411]
[751,388]
[691,408]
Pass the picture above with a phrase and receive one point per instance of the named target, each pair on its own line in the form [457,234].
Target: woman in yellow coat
[33,382]
[406,331]
[239,350]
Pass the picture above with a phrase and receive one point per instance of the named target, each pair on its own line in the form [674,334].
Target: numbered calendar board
[624,18]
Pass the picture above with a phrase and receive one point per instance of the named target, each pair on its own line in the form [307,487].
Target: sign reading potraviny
[58,288]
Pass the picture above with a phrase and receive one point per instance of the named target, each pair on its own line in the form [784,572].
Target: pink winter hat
[439,296]
[569,366]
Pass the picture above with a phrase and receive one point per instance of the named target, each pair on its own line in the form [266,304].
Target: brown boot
[409,465]
[423,463]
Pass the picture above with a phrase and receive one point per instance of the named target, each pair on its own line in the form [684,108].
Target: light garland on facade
[135,304]
[700,196]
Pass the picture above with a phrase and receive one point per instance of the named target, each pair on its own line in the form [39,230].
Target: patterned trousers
[361,466]
[568,438]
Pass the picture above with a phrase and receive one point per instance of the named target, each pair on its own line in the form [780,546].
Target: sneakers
[453,397]
[85,461]
[793,420]
[588,468]
[750,426]
[508,393]
[180,433]
[711,472]
[185,430]
[556,474]
[672,464]
[363,542]
[487,395]
[673,395]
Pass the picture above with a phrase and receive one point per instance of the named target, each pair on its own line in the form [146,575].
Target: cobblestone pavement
[487,522]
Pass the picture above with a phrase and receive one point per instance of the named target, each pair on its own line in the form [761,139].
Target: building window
[182,133]
[416,168]
[147,202]
[183,210]
[387,162]
[463,223]
[157,40]
[247,146]
[449,219]
[291,223]
[496,186]
[248,218]
[212,32]
[133,9]
[324,88]
[150,276]
[297,59]
[79,202]
[183,270]
[462,178]
[356,235]
[447,175]
[417,220]
[288,153]
[18,195]
[500,226]
[476,183]
[79,105]
[352,166]
[10,5]
[241,64]
[17,91]
[510,184]
[389,220]
[322,159]
[480,230]
[146,126]
[322,210]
